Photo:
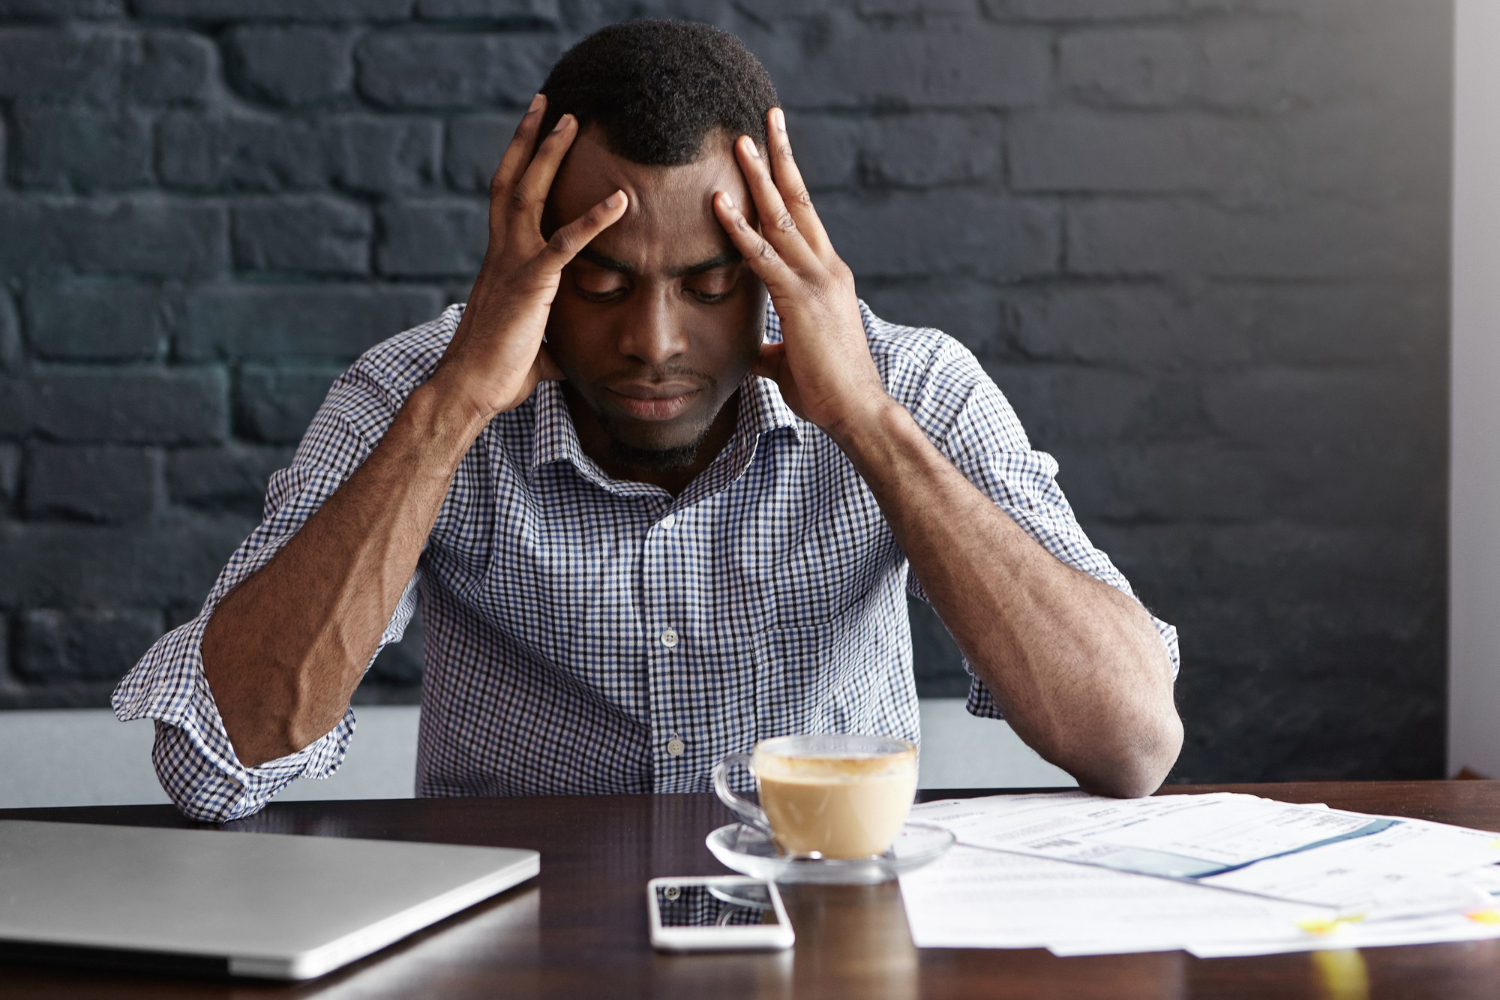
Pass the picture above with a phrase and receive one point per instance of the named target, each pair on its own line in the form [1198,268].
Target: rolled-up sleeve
[193,756]
[971,422]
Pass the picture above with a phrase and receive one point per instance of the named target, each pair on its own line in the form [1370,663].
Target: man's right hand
[496,357]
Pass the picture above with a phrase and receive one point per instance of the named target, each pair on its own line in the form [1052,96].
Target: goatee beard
[657,459]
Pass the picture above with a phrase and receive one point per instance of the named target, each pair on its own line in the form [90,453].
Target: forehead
[670,221]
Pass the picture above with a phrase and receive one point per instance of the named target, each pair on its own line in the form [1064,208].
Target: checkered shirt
[589,635]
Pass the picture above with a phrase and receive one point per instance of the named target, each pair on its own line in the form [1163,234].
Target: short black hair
[657,89]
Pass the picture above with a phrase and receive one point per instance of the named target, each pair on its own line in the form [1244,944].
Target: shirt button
[675,747]
[669,520]
[669,637]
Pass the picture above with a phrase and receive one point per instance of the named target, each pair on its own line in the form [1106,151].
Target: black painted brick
[59,9]
[106,483]
[145,236]
[103,66]
[547,11]
[290,10]
[1135,67]
[96,321]
[174,67]
[16,418]
[473,147]
[912,233]
[1068,405]
[937,662]
[848,62]
[315,235]
[291,66]
[1080,10]
[972,313]
[82,150]
[10,471]
[1097,152]
[909,8]
[924,149]
[86,565]
[1267,407]
[1394,324]
[129,406]
[430,70]
[54,63]
[275,404]
[432,239]
[1316,240]
[53,645]
[360,153]
[10,333]
[828,148]
[203,152]
[328,321]
[382,155]
[231,477]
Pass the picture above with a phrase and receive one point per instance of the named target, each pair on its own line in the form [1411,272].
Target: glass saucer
[750,852]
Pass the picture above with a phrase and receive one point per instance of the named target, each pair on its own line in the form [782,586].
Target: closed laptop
[242,904]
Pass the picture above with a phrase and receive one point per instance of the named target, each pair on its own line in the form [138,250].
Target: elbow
[1139,768]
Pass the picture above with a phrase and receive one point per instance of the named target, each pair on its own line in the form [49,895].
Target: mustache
[665,373]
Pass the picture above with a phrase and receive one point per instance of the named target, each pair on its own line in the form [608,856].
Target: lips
[653,400]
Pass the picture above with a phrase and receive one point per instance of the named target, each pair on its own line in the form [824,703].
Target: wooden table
[580,929]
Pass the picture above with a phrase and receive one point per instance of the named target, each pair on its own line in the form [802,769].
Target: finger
[757,251]
[793,189]
[568,240]
[530,193]
[776,223]
[519,152]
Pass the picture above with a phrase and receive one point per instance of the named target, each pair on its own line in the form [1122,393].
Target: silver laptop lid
[271,905]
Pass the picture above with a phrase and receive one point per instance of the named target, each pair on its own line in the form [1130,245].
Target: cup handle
[748,812]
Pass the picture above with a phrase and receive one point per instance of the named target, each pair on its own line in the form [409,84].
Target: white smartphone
[717,913]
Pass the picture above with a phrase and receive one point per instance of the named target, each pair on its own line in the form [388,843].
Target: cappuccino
[836,804]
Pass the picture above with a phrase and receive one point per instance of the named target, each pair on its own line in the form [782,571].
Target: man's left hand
[823,365]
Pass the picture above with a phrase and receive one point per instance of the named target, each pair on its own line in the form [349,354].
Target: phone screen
[715,906]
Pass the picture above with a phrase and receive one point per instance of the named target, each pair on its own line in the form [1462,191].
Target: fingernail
[754,149]
[561,123]
[779,119]
[614,200]
[536,102]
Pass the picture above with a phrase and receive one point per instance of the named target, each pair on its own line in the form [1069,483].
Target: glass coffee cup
[836,796]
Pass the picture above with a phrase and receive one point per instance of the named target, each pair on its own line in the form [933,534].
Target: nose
[651,332]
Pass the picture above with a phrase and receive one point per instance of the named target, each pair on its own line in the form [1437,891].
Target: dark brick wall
[1200,243]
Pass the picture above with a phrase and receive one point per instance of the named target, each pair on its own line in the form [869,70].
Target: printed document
[1216,874]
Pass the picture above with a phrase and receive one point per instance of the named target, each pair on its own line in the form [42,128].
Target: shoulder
[927,371]
[403,362]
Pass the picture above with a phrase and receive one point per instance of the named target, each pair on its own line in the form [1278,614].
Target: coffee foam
[827,767]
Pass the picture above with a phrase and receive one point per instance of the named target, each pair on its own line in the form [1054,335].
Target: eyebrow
[608,263]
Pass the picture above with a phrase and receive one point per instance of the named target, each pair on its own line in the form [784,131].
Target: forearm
[1077,666]
[284,651]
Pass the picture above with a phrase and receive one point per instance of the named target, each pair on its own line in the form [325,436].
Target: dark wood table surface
[579,930]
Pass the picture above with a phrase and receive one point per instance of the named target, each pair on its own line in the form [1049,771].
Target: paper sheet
[977,898]
[1307,854]
[1219,874]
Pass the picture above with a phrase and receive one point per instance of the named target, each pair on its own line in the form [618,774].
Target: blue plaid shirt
[585,634]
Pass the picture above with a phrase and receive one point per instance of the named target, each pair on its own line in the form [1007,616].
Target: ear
[546,368]
[770,362]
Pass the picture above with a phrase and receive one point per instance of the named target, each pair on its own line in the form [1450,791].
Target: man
[650,518]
